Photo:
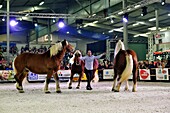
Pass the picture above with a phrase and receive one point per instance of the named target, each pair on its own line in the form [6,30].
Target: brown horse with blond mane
[46,63]
[125,63]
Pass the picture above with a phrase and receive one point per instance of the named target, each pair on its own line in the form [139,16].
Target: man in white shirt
[89,59]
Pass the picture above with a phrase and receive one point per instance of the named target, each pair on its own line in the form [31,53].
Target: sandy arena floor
[150,98]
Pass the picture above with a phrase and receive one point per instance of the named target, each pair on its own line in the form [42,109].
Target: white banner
[63,75]
[108,73]
[144,74]
[162,74]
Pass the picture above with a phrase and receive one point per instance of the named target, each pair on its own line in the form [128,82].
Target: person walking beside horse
[89,67]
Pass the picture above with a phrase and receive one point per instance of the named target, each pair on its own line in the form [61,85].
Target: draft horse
[46,63]
[78,66]
[125,63]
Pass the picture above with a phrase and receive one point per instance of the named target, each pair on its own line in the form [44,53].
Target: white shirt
[89,61]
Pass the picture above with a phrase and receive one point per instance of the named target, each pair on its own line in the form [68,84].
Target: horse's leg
[71,80]
[134,79]
[117,88]
[127,86]
[58,90]
[47,81]
[114,80]
[19,82]
[80,76]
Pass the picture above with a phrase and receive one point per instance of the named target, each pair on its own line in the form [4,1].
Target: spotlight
[0,6]
[54,20]
[3,19]
[111,20]
[61,23]
[35,24]
[144,11]
[125,17]
[13,23]
[162,2]
[41,3]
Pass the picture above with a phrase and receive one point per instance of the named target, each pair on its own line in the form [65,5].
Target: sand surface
[151,97]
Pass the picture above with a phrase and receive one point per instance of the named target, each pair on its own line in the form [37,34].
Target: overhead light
[162,2]
[3,19]
[0,6]
[137,6]
[94,14]
[121,12]
[61,23]
[20,19]
[136,24]
[54,20]
[164,29]
[111,20]
[13,23]
[68,32]
[169,14]
[153,28]
[141,22]
[129,9]
[95,22]
[148,33]
[27,14]
[136,35]
[144,11]
[125,18]
[111,31]
[103,33]
[41,3]
[152,19]
[35,24]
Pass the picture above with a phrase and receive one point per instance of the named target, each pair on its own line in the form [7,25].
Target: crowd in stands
[154,64]
[105,64]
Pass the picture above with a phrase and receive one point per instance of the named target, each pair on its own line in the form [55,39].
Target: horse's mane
[55,48]
[71,61]
[119,46]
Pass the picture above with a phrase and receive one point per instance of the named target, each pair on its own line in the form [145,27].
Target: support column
[28,39]
[37,34]
[8,32]
[157,26]
[49,31]
[150,47]
[125,30]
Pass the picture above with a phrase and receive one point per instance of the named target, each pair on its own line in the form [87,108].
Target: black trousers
[89,76]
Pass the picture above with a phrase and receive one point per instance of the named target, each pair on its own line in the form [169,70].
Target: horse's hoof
[21,91]
[115,90]
[126,89]
[58,91]
[112,89]
[69,87]
[47,92]
[77,87]
[134,90]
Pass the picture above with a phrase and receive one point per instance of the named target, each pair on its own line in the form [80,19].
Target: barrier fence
[155,74]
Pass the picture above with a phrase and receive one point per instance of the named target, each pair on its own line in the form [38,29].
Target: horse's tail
[128,69]
[13,66]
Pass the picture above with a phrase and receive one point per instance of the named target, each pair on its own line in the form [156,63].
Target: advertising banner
[108,73]
[162,74]
[64,75]
[6,75]
[144,74]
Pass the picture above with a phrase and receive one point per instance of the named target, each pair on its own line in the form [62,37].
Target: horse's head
[119,46]
[68,46]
